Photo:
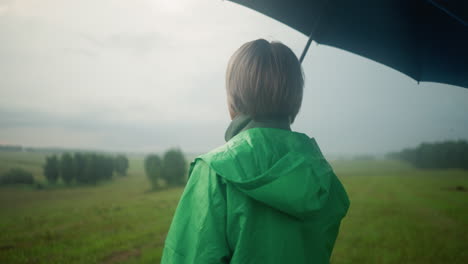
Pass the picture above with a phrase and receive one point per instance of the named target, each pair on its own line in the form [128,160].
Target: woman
[268,195]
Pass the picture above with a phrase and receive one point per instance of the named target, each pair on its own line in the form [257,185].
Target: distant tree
[174,167]
[67,171]
[108,167]
[84,168]
[153,169]
[10,148]
[51,169]
[439,155]
[79,164]
[99,166]
[121,164]
[364,157]
[17,176]
[90,175]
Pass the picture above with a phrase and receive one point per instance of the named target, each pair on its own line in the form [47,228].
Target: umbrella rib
[463,22]
[306,48]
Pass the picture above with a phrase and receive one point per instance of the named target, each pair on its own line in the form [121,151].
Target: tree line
[171,168]
[84,168]
[439,155]
[11,148]
[50,150]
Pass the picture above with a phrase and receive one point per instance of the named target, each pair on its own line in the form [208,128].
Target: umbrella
[424,39]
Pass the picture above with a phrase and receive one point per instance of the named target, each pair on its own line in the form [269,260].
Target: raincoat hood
[276,166]
[266,196]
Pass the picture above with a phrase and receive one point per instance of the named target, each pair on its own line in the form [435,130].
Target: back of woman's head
[264,80]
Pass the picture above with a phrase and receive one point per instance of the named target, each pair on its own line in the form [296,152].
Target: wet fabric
[266,196]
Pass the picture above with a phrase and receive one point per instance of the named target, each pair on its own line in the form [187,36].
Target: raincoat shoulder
[266,196]
[198,229]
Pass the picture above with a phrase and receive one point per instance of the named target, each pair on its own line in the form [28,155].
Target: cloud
[3,9]
[135,43]
[95,130]
[144,74]
[82,52]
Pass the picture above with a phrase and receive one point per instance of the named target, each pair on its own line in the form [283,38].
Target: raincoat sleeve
[198,230]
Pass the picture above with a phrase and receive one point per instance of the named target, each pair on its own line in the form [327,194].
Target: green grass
[398,215]
[403,215]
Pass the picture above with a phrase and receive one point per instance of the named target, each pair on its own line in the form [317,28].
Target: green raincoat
[267,196]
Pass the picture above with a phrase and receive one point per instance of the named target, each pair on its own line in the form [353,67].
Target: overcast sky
[145,75]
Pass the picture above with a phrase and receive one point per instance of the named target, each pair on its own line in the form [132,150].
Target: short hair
[265,80]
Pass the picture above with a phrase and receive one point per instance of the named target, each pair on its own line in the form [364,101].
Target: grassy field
[398,215]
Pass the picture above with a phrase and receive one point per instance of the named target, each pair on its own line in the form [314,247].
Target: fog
[147,75]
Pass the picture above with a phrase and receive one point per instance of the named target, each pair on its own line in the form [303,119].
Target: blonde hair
[265,80]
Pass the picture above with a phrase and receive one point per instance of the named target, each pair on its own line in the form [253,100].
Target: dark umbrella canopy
[423,39]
